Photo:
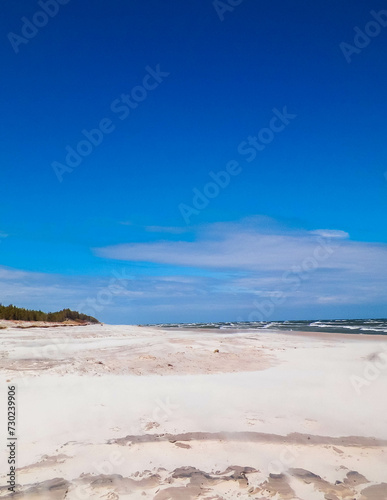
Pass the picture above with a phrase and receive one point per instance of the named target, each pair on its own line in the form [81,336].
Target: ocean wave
[345,326]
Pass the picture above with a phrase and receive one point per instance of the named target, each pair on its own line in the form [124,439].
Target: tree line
[19,313]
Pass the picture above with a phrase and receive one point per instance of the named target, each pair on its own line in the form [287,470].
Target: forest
[12,312]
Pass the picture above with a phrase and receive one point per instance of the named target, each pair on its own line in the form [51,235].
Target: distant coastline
[19,317]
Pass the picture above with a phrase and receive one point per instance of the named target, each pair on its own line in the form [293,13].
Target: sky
[194,161]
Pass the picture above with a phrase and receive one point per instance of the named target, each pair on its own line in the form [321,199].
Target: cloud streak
[245,248]
[259,258]
[223,274]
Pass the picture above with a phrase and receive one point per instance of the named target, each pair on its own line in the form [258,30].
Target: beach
[137,412]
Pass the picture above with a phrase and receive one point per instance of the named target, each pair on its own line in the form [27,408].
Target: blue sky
[121,234]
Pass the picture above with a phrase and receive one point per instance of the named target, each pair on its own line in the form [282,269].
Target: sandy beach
[134,412]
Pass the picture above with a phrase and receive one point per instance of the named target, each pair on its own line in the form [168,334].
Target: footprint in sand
[151,425]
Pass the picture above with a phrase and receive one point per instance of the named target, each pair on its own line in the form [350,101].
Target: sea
[352,326]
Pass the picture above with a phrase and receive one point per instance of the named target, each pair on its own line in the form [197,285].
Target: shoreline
[226,331]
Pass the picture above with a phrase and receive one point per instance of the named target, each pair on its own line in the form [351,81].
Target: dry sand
[145,413]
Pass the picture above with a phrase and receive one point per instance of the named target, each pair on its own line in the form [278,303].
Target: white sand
[99,401]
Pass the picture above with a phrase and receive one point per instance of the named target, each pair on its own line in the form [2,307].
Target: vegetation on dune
[12,312]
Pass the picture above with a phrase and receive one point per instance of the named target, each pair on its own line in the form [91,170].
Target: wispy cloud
[138,299]
[221,274]
[40,290]
[329,233]
[245,247]
[252,257]
[166,229]
[156,229]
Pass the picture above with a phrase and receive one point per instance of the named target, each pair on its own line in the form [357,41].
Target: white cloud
[166,229]
[242,247]
[330,233]
[44,291]
[259,259]
[230,268]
